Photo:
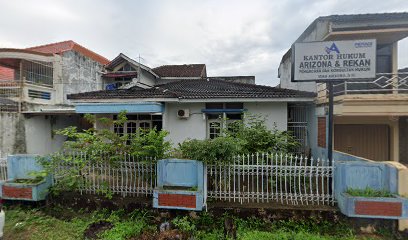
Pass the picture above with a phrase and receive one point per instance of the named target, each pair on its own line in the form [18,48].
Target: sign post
[333,61]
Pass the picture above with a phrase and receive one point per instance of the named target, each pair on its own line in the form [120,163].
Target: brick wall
[321,132]
[14,192]
[177,200]
[378,208]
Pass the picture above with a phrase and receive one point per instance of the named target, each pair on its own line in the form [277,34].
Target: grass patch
[369,192]
[63,223]
[23,224]
[29,180]
[124,230]
[282,235]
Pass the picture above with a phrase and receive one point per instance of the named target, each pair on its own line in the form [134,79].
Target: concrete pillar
[403,140]
[402,189]
[395,140]
[394,62]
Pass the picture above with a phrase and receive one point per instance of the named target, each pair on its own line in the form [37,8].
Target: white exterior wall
[39,135]
[317,34]
[276,114]
[11,133]
[32,134]
[180,130]
[286,82]
[195,127]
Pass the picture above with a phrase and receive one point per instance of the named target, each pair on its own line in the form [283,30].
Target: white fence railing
[263,178]
[251,178]
[3,166]
[383,83]
[126,176]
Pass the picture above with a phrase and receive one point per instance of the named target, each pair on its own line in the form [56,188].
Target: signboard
[333,60]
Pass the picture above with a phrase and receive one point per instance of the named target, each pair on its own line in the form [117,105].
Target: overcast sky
[231,37]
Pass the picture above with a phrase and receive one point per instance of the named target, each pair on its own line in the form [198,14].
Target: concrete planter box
[20,166]
[22,191]
[180,185]
[374,207]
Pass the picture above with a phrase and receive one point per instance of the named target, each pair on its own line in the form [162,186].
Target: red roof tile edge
[64,46]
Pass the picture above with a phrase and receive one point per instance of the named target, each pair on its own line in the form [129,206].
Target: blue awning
[137,107]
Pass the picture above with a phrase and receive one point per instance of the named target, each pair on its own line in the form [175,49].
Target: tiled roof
[69,45]
[197,89]
[6,73]
[368,17]
[182,71]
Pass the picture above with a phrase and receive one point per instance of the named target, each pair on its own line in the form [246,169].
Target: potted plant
[373,203]
[32,188]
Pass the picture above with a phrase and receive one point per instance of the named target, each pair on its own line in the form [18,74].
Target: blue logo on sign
[333,48]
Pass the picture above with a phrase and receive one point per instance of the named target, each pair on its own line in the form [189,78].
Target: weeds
[36,224]
[369,192]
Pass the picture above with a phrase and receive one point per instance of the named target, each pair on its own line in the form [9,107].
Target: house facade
[183,100]
[34,84]
[370,116]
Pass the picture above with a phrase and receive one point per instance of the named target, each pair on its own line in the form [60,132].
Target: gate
[297,125]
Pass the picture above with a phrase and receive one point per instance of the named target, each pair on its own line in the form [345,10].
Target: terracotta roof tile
[6,73]
[60,47]
[182,71]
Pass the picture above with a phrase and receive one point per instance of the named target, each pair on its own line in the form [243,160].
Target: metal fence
[3,166]
[126,176]
[251,178]
[383,83]
[260,178]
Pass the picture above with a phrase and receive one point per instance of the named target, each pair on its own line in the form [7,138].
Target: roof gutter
[181,100]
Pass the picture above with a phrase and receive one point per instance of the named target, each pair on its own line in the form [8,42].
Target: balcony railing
[10,96]
[384,83]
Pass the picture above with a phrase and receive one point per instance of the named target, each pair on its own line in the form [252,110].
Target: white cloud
[232,37]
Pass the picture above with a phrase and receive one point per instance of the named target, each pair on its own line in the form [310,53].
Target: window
[384,58]
[127,68]
[37,72]
[136,122]
[221,116]
[214,128]
[214,124]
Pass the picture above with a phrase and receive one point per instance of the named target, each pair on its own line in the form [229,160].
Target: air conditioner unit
[183,113]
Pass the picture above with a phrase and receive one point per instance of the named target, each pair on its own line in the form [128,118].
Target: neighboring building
[190,108]
[34,83]
[371,115]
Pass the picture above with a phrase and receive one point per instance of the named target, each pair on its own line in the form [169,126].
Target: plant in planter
[33,187]
[180,185]
[373,203]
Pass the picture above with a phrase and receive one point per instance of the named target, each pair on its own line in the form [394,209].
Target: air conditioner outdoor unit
[183,113]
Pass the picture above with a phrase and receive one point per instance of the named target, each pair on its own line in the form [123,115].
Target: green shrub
[124,230]
[100,146]
[211,150]
[184,224]
[242,137]
[369,192]
[94,142]
[257,137]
